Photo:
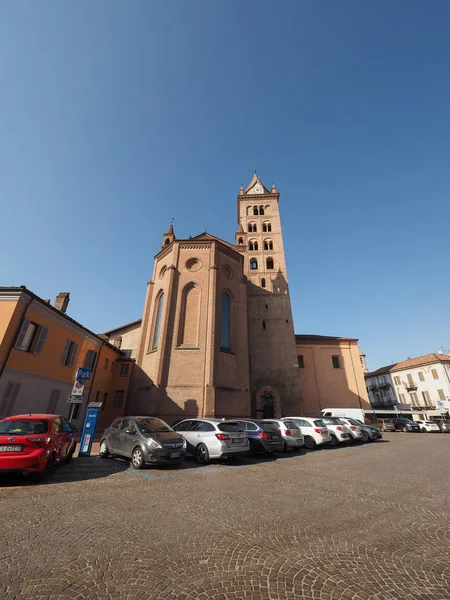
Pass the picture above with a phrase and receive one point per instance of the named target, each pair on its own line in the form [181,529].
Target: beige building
[331,373]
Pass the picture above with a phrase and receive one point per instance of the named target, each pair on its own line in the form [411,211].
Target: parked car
[354,428]
[357,430]
[209,439]
[144,440]
[385,424]
[35,443]
[315,432]
[263,436]
[369,432]
[428,426]
[339,432]
[444,426]
[290,432]
[406,425]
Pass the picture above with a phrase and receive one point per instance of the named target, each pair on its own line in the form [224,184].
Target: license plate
[10,448]
[237,440]
[175,454]
[275,437]
[345,435]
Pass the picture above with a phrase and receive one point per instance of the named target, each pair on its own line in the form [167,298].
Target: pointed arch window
[263,282]
[261,210]
[167,241]
[157,328]
[253,264]
[255,210]
[269,264]
[225,320]
[240,241]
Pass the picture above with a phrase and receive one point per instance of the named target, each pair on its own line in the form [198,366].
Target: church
[216,338]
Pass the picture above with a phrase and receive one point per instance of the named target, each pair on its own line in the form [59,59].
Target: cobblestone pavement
[356,523]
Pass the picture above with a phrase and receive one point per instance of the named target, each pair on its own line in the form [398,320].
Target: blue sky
[117,116]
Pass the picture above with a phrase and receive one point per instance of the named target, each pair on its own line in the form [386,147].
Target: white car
[209,439]
[339,432]
[290,432]
[428,427]
[314,431]
[354,429]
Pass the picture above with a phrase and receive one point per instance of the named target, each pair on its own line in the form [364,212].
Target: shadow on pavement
[80,469]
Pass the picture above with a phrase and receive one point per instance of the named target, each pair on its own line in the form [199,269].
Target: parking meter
[90,422]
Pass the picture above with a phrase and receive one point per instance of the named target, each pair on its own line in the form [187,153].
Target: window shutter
[73,354]
[15,392]
[22,332]
[53,401]
[89,361]
[9,397]
[41,340]
[65,353]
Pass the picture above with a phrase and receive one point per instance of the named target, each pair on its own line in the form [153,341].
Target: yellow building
[331,373]
[41,348]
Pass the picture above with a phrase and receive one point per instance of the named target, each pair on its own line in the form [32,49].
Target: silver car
[209,439]
[145,440]
[290,432]
[355,430]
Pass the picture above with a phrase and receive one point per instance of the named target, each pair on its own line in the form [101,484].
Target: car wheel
[285,447]
[44,475]
[333,441]
[103,452]
[310,442]
[137,458]
[424,430]
[405,429]
[202,454]
[365,436]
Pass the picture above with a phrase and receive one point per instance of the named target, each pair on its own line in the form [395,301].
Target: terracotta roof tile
[411,363]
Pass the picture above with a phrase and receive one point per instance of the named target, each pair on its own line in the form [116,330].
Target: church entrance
[268,407]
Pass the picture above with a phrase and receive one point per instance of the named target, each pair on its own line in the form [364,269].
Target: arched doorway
[268,406]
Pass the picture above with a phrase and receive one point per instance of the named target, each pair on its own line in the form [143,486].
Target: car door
[127,437]
[68,437]
[111,435]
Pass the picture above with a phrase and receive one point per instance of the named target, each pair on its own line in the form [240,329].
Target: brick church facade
[216,336]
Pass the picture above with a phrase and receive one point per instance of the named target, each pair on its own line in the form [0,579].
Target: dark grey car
[144,440]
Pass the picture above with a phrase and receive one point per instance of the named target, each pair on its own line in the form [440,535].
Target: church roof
[208,236]
[255,180]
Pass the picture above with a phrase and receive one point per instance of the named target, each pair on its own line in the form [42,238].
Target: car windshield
[319,423]
[152,426]
[290,425]
[23,426]
[354,421]
[331,421]
[230,427]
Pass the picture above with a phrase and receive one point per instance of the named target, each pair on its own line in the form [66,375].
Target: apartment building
[41,348]
[420,384]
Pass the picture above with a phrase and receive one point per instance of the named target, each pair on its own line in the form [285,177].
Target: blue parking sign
[83,374]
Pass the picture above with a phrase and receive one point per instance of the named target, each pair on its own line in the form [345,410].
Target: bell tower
[275,382]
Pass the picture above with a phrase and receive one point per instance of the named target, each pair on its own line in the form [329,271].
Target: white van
[353,413]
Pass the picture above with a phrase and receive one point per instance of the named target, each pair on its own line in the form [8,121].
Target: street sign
[78,388]
[75,399]
[83,374]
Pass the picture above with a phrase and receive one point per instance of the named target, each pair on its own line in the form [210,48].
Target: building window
[269,264]
[402,398]
[335,361]
[240,241]
[255,210]
[9,397]
[426,398]
[89,360]
[268,245]
[157,329]
[301,361]
[118,398]
[267,227]
[31,337]
[397,380]
[53,402]
[441,394]
[225,322]
[124,369]
[435,374]
[253,245]
[167,241]
[421,376]
[261,210]
[414,399]
[264,324]
[105,400]
[263,282]
[252,228]
[410,380]
[106,363]
[253,264]
[69,353]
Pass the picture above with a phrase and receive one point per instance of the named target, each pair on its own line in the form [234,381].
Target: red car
[35,443]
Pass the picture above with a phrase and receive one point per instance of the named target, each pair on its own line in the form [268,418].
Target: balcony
[411,386]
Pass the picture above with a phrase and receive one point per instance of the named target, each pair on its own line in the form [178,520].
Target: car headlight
[153,443]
